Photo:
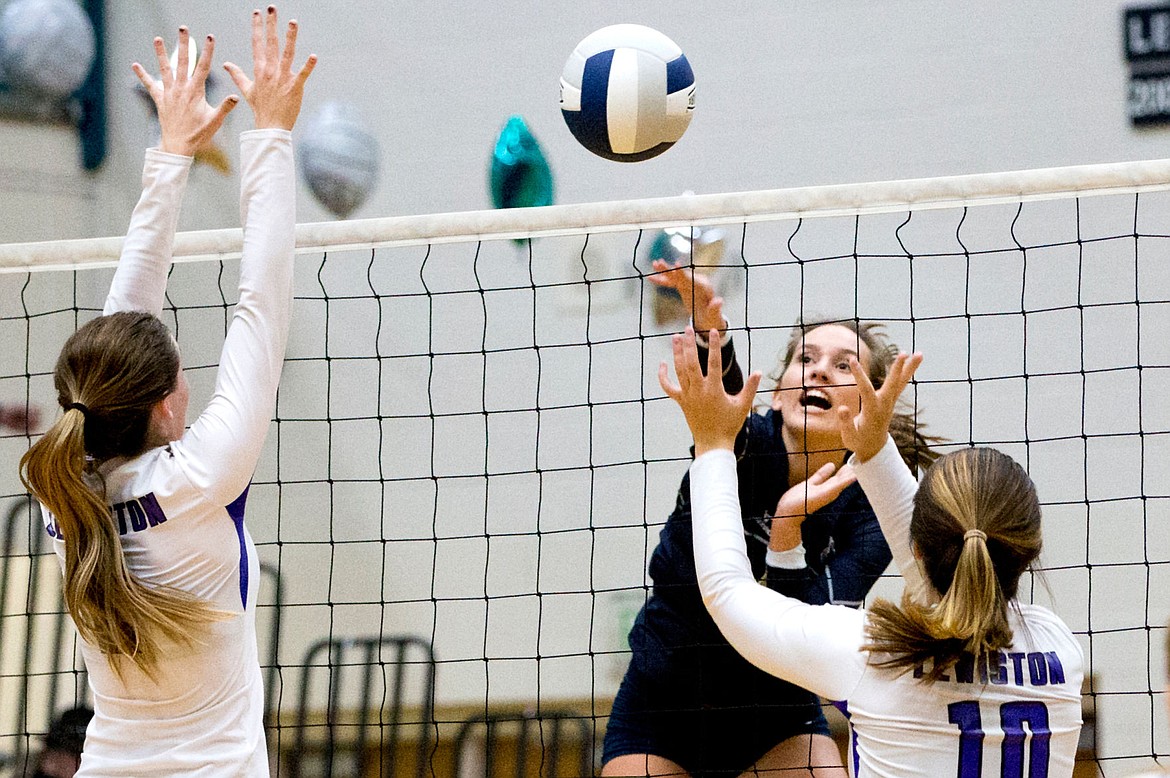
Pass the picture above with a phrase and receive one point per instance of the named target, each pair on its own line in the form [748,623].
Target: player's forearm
[228,437]
[140,280]
[767,628]
[890,488]
[785,534]
[268,210]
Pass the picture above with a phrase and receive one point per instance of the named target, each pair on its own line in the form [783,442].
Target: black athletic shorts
[705,708]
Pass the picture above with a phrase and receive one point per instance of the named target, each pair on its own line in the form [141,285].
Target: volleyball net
[471,457]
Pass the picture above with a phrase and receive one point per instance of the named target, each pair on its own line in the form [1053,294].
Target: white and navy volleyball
[627,93]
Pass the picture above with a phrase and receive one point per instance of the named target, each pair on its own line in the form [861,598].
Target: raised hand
[274,91]
[714,416]
[187,121]
[806,497]
[696,292]
[865,433]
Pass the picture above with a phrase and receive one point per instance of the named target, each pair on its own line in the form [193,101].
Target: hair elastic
[79,406]
[974,533]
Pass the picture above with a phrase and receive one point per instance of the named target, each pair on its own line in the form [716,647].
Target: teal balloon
[520,176]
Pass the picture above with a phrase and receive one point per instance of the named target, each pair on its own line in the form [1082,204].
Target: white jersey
[179,509]
[1017,712]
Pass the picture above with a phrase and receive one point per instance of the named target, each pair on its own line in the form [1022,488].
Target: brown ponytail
[110,374]
[976,524]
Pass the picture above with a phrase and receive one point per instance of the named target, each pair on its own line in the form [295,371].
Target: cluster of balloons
[641,117]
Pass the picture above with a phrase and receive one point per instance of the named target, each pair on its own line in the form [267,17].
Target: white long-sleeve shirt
[1019,706]
[180,508]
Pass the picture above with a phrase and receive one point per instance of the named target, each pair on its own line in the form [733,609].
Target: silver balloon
[338,159]
[46,46]
[700,248]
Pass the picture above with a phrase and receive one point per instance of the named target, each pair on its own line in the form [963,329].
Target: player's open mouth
[815,398]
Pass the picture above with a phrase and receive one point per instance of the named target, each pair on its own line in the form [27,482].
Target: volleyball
[627,93]
[46,46]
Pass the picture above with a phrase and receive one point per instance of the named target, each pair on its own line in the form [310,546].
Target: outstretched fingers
[274,89]
[145,78]
[187,122]
[864,384]
[306,70]
[183,56]
[847,426]
[271,43]
[686,367]
[673,390]
[714,416]
[164,63]
[866,432]
[239,77]
[257,36]
[686,360]
[901,373]
[290,46]
[223,109]
[714,356]
[666,274]
[203,64]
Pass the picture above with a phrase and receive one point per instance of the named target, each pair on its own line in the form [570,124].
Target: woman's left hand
[865,433]
[714,416]
[808,496]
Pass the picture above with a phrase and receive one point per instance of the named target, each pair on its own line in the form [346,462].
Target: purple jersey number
[1012,717]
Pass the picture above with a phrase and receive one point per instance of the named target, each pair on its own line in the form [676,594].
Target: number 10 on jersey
[1012,718]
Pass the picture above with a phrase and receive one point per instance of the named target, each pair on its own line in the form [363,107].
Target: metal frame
[371,656]
[550,748]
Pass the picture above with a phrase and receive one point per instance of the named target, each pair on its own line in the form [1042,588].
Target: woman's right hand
[865,433]
[696,292]
[186,120]
[274,91]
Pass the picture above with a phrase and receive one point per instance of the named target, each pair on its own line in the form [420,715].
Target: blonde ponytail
[110,374]
[976,524]
[973,608]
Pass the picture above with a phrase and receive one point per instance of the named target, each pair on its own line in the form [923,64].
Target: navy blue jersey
[688,695]
[844,547]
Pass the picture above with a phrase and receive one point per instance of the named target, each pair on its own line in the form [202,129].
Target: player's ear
[776,398]
[162,419]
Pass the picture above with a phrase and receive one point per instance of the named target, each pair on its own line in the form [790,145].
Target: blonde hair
[905,428]
[976,524]
[109,376]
